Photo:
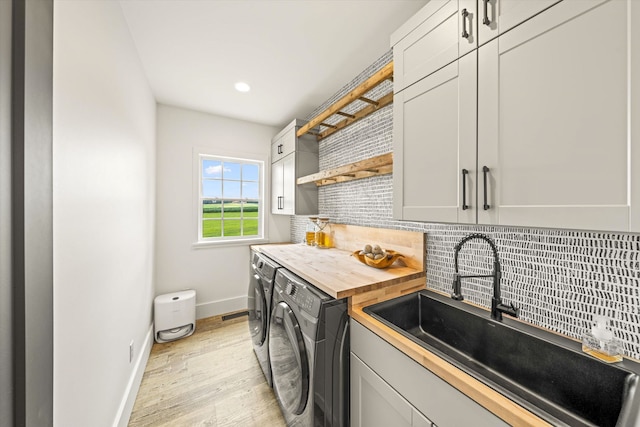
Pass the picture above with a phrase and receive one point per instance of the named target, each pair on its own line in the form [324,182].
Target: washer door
[257,311]
[289,363]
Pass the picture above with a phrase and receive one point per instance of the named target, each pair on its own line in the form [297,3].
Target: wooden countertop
[335,271]
[502,407]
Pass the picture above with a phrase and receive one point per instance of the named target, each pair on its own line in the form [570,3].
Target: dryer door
[257,310]
[289,364]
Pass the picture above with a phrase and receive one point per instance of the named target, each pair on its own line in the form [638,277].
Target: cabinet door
[420,420]
[497,16]
[422,389]
[434,138]
[554,119]
[436,36]
[373,402]
[289,184]
[277,187]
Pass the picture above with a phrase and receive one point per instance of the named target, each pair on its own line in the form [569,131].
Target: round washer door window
[289,364]
[257,311]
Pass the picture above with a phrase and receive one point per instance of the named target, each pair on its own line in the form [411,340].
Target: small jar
[311,230]
[322,236]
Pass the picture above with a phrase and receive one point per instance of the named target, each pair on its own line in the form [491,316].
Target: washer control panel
[297,291]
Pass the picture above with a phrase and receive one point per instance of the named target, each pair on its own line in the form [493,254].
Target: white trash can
[174,315]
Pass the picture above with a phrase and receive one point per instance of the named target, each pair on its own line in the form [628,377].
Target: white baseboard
[215,308]
[129,398]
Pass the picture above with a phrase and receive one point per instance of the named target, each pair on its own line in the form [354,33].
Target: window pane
[211,169]
[250,209]
[250,227]
[231,210]
[211,208]
[250,191]
[232,170]
[250,172]
[211,228]
[231,227]
[231,191]
[212,188]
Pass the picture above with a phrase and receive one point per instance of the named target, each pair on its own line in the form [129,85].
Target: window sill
[227,243]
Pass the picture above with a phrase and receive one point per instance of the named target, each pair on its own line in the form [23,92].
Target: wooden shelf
[379,165]
[386,73]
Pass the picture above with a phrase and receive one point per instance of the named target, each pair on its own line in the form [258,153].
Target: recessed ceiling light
[242,87]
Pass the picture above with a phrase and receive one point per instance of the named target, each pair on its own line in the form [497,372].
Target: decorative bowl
[385,262]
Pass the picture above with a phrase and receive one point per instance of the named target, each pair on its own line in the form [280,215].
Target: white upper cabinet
[557,141]
[434,141]
[437,35]
[291,158]
[497,16]
[554,124]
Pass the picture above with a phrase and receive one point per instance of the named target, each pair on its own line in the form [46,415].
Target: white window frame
[244,158]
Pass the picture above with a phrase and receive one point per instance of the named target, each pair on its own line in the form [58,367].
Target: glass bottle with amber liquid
[312,228]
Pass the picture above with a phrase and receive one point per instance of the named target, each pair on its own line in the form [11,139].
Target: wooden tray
[385,262]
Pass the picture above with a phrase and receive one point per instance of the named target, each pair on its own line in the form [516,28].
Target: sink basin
[543,372]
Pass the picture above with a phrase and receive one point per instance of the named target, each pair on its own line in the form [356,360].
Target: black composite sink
[546,373]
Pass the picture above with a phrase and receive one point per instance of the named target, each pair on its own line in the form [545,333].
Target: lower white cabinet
[388,388]
[374,403]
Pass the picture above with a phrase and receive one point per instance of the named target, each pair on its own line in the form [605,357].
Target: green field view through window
[230,198]
[240,219]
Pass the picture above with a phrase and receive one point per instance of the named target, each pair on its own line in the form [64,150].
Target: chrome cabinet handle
[465,14]
[280,149]
[464,189]
[485,170]
[280,202]
[485,19]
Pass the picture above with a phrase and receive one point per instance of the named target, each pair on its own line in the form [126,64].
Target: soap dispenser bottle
[600,342]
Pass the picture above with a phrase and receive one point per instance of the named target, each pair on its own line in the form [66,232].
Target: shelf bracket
[350,116]
[369,101]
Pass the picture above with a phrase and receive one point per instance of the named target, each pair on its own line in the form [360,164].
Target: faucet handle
[457,291]
[510,309]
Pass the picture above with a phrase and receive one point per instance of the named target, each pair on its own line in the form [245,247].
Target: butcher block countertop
[335,271]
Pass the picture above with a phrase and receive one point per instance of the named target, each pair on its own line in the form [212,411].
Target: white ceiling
[295,54]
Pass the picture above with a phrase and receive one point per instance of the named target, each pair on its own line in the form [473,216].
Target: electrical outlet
[131,351]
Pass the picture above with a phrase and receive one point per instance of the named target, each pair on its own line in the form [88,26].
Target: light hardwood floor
[211,378]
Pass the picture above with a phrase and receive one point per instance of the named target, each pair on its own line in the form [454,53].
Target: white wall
[104,209]
[220,275]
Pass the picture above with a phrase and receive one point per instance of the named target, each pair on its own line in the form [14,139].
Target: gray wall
[5,215]
[560,279]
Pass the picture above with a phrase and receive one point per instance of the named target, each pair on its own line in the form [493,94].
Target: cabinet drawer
[284,145]
[437,35]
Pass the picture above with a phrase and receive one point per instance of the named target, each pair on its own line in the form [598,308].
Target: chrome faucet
[497,307]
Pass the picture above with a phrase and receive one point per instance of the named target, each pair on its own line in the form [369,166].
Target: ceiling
[295,54]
